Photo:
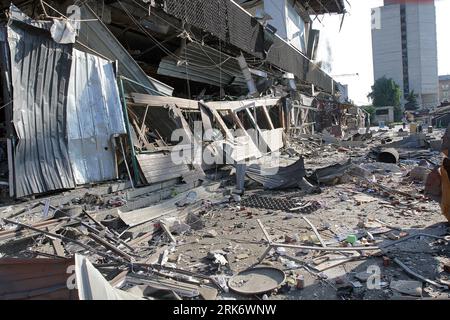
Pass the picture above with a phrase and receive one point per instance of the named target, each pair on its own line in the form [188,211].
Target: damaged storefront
[123,79]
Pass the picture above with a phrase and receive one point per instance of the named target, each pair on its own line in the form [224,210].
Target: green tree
[398,113]
[412,104]
[385,92]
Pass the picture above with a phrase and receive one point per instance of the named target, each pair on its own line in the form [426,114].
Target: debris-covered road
[365,231]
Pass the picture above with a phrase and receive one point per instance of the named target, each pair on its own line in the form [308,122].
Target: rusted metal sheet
[37,279]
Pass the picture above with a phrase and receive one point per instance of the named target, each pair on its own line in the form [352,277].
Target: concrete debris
[218,257]
[211,234]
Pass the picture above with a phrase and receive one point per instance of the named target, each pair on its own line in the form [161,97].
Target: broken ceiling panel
[94,116]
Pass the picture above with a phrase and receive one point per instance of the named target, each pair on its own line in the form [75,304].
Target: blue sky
[350,51]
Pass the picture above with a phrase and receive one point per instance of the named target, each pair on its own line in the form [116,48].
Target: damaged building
[171,64]
[159,148]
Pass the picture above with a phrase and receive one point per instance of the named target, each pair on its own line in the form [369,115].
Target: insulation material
[40,72]
[94,116]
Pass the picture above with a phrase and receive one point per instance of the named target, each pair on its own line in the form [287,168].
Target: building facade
[444,88]
[384,115]
[404,46]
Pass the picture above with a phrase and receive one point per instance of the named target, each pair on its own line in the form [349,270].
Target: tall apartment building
[404,46]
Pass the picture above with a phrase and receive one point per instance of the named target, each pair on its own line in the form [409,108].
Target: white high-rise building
[404,48]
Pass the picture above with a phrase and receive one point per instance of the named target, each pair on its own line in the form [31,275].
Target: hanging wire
[186,56]
[159,44]
[62,16]
[5,105]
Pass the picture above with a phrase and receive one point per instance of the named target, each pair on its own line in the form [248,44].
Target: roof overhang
[324,6]
[313,7]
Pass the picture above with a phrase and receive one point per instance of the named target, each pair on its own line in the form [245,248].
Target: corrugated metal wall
[94,115]
[40,71]
[66,109]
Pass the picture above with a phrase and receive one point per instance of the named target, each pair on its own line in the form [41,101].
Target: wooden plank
[335,262]
[155,155]
[222,124]
[167,232]
[237,120]
[142,137]
[266,234]
[148,172]
[315,231]
[58,247]
[266,114]
[163,177]
[150,166]
[141,216]
[260,133]
[119,278]
[160,168]
[61,237]
[242,104]
[109,246]
[24,234]
[159,101]
[144,118]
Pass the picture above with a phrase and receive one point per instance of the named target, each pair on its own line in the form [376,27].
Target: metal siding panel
[40,70]
[94,116]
